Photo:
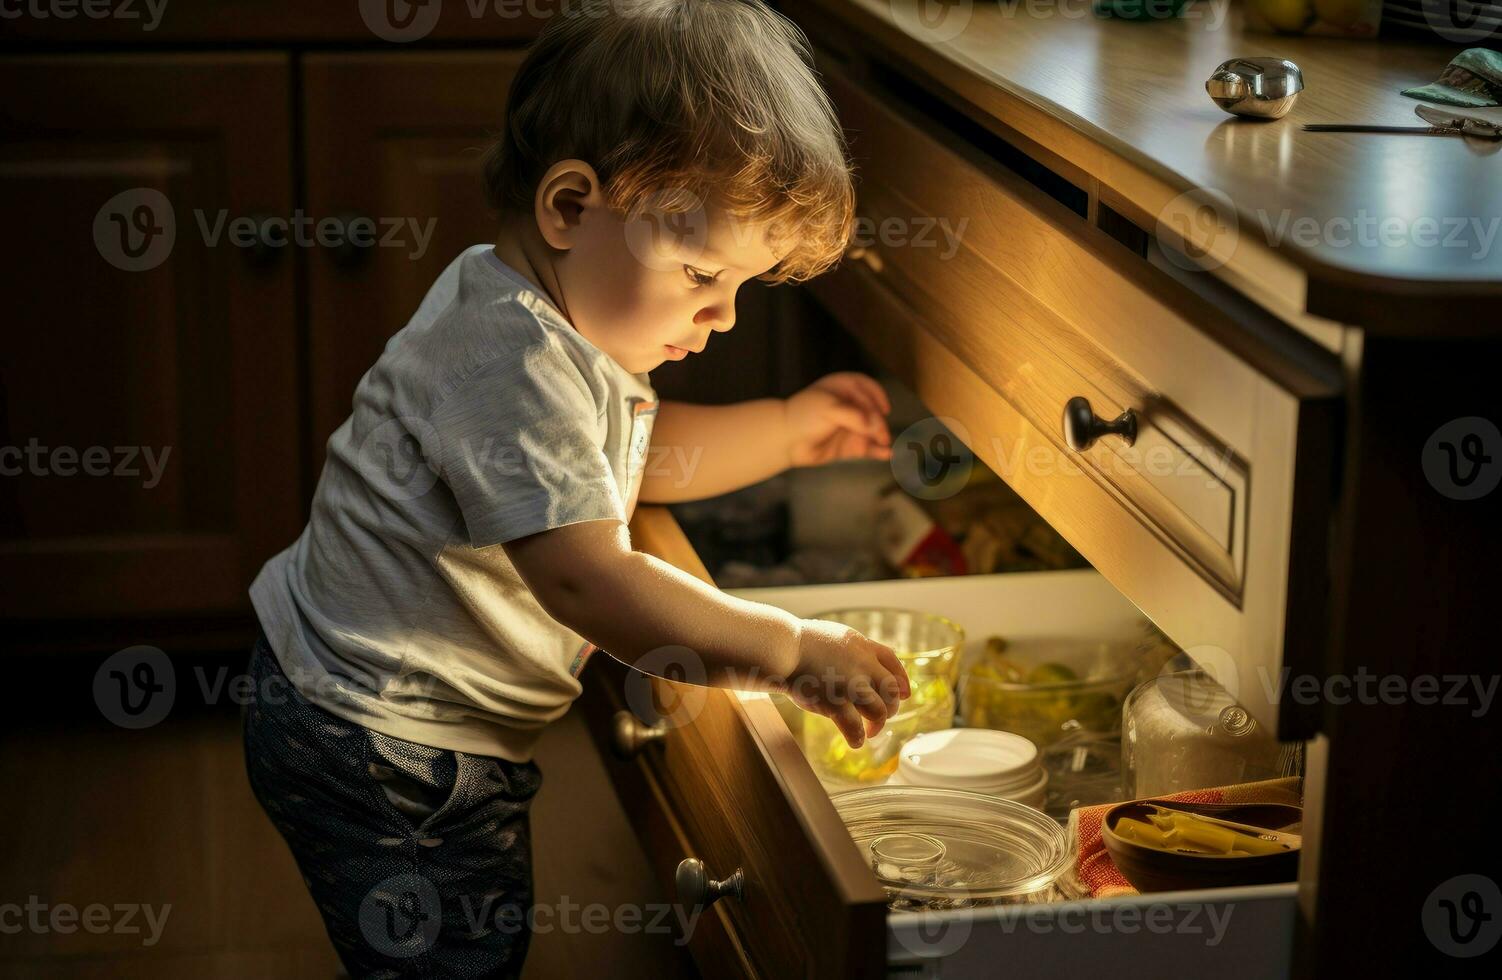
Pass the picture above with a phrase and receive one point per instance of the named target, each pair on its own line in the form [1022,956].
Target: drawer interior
[1250,927]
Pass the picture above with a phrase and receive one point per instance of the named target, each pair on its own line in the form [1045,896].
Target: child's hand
[854,681]
[840,416]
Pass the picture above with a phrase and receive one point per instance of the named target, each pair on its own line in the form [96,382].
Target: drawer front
[1228,933]
[740,797]
[1039,308]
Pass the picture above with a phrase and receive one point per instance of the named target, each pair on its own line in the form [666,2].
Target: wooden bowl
[1152,870]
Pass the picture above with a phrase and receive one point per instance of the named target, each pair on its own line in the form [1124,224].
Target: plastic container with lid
[946,848]
[976,759]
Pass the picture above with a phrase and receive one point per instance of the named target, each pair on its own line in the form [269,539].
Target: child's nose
[717,318]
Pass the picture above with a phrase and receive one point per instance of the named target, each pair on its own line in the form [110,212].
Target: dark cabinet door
[148,379]
[394,144]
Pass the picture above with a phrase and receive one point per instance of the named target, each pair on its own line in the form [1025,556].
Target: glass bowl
[930,707]
[949,848]
[1046,689]
[928,644]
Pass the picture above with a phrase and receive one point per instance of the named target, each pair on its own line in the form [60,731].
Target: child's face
[654,288]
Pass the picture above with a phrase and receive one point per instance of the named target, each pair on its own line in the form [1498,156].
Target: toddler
[468,550]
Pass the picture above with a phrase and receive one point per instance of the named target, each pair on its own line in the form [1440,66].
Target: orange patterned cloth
[1094,871]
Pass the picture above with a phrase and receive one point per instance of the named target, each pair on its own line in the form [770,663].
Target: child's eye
[698,278]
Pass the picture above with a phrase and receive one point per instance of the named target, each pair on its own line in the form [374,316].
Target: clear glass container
[1182,731]
[1046,689]
[945,848]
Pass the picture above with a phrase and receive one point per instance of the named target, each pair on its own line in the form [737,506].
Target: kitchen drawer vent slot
[961,129]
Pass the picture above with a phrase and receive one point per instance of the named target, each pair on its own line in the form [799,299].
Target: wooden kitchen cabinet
[149,364]
[209,371]
[395,139]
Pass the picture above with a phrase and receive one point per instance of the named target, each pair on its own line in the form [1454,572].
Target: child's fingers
[870,704]
[889,659]
[877,393]
[889,689]
[862,390]
[848,721]
[853,419]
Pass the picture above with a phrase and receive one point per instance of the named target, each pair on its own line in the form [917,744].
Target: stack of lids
[980,760]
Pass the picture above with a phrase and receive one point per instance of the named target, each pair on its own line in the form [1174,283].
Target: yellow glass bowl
[929,708]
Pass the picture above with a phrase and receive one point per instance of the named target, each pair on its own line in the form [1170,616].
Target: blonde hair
[678,102]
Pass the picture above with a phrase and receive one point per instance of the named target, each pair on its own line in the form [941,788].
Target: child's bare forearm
[703,451]
[636,604]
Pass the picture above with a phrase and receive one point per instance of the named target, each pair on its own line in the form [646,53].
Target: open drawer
[721,778]
[1023,327]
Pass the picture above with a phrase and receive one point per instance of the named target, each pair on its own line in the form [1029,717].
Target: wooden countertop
[1125,103]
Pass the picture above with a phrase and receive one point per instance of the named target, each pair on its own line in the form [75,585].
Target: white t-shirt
[486,418]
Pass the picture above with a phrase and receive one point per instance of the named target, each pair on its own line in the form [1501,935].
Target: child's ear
[565,191]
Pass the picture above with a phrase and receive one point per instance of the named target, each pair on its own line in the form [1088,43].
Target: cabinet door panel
[397,139]
[148,397]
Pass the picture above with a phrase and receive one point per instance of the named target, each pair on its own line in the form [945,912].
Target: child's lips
[676,353]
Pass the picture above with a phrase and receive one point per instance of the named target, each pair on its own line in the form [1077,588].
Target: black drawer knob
[1082,426]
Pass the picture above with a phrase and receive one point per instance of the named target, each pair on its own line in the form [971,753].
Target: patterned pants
[419,859]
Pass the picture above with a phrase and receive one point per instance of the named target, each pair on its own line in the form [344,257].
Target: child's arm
[702,451]
[587,577]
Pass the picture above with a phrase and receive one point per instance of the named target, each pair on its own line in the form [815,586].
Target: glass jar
[1182,731]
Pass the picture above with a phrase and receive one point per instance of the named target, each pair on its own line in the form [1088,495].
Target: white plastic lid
[981,760]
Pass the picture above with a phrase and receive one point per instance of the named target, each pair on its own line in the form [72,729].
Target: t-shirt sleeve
[519,447]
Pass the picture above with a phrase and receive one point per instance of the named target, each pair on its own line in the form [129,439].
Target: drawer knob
[628,734]
[697,889]
[1082,426]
